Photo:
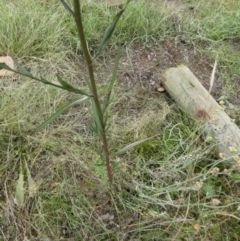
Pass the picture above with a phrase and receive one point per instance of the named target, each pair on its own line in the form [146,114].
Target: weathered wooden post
[192,97]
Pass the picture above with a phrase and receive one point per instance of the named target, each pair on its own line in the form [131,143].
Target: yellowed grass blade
[212,77]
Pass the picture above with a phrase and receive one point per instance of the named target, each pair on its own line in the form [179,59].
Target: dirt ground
[141,69]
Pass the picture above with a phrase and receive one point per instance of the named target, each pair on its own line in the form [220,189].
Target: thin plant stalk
[89,63]
[98,111]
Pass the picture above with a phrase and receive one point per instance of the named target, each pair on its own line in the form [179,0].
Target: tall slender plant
[98,108]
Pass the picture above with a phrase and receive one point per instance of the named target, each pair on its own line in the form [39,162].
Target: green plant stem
[89,62]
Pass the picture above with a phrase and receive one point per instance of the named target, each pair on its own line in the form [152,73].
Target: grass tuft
[172,187]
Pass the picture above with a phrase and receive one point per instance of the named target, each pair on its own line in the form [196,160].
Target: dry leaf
[8,61]
[196,227]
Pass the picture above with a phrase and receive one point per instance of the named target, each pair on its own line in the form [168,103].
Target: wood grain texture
[192,97]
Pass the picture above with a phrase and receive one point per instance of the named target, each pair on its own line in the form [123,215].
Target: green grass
[163,188]
[214,21]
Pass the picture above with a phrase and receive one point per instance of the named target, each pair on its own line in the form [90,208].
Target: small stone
[159,88]
[215,202]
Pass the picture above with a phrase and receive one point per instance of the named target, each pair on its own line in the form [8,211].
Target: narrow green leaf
[115,71]
[70,88]
[63,82]
[4,66]
[108,33]
[21,68]
[23,71]
[67,7]
[110,87]
[130,146]
[64,85]
[20,189]
[28,74]
[59,112]
[43,80]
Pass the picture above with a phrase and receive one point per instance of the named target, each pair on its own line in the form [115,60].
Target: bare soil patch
[141,68]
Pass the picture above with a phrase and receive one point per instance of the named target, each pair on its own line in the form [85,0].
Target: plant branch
[89,63]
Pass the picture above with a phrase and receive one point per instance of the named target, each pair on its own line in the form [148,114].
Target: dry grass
[172,187]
